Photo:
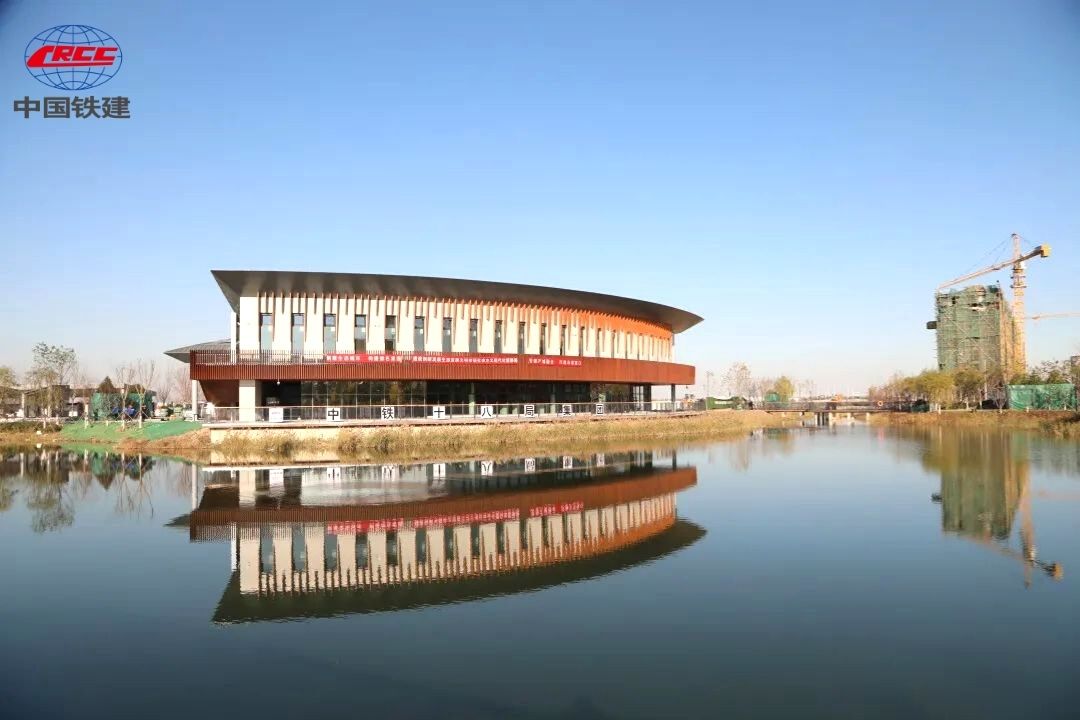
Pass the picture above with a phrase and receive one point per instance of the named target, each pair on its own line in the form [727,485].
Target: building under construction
[975,329]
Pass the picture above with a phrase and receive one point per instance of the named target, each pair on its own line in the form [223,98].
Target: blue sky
[800,174]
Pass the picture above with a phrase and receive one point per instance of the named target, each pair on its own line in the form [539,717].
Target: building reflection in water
[316,541]
[985,490]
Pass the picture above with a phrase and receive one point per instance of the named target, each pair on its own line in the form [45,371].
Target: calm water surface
[850,572]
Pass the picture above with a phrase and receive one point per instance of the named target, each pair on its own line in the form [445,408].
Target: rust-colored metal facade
[592,495]
[217,366]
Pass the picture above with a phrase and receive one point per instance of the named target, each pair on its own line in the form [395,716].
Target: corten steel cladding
[217,366]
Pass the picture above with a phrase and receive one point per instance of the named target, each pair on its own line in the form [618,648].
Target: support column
[248,391]
[512,532]
[195,399]
[250,542]
[315,547]
[194,486]
[673,397]
[283,569]
[246,490]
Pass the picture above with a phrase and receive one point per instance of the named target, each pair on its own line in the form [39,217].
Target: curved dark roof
[183,354]
[235,283]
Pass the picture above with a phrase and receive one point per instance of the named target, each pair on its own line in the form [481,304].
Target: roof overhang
[237,283]
[183,354]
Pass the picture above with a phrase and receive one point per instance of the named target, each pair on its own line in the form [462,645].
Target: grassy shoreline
[151,437]
[1059,423]
[404,442]
[502,440]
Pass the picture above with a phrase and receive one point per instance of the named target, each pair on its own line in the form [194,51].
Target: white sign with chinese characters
[387,412]
[599,408]
[566,410]
[276,478]
[567,462]
[438,470]
[530,464]
[487,468]
[487,411]
[275,414]
[530,411]
[333,414]
[438,412]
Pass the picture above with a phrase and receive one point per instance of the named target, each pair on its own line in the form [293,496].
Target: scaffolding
[975,329]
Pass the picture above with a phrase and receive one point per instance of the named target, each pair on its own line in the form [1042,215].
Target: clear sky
[800,174]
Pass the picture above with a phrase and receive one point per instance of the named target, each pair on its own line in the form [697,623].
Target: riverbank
[449,442]
[152,437]
[193,442]
[1060,423]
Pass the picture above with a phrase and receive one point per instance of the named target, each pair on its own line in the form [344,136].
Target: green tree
[937,386]
[784,388]
[970,383]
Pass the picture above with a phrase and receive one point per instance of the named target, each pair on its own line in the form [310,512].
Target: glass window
[543,338]
[330,552]
[448,544]
[611,347]
[521,338]
[498,336]
[329,333]
[392,549]
[581,342]
[418,334]
[362,554]
[447,334]
[297,333]
[360,334]
[266,550]
[421,547]
[391,333]
[266,332]
[599,342]
[299,549]
[474,335]
[562,340]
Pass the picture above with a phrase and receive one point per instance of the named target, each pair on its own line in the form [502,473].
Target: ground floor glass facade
[347,393]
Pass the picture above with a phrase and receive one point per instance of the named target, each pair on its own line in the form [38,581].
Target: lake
[832,572]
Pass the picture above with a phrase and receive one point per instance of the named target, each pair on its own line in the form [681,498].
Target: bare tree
[8,381]
[177,383]
[85,385]
[738,380]
[52,370]
[145,371]
[125,378]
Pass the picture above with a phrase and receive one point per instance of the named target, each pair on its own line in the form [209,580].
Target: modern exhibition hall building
[363,346]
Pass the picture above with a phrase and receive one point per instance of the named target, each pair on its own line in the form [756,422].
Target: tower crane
[1019,283]
[1074,313]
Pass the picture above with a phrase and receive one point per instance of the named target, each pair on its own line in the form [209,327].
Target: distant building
[36,402]
[975,329]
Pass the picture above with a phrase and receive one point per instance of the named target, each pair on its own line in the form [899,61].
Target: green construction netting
[1042,397]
